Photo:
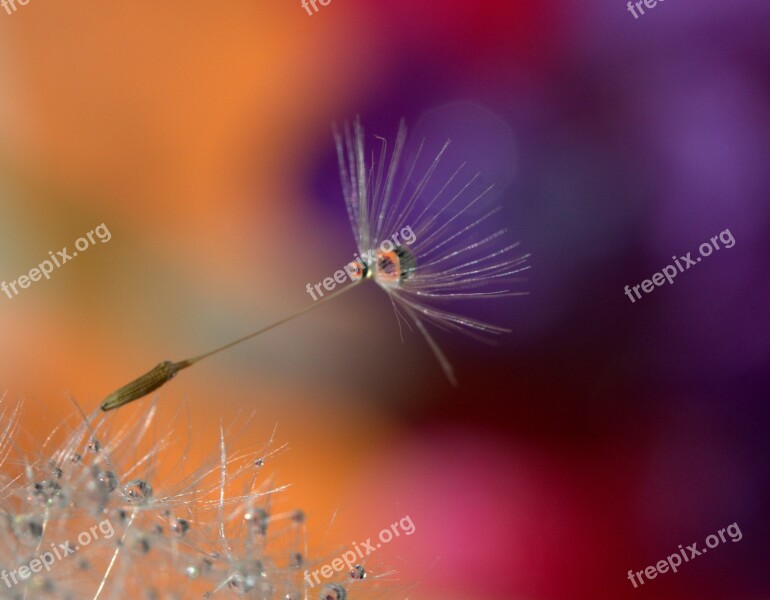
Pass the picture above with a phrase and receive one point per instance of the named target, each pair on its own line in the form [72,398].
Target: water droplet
[247,578]
[257,518]
[41,585]
[259,462]
[242,584]
[192,572]
[75,458]
[137,491]
[56,473]
[333,591]
[180,527]
[48,492]
[94,446]
[298,517]
[357,573]
[141,545]
[107,480]
[121,515]
[296,560]
[28,529]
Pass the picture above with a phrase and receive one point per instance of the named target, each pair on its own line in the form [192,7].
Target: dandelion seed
[453,250]
[448,253]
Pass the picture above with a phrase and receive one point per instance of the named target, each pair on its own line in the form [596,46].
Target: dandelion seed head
[127,523]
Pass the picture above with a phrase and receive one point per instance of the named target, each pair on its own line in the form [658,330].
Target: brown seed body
[143,385]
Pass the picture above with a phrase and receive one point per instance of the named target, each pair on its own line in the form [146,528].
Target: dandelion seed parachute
[457,253]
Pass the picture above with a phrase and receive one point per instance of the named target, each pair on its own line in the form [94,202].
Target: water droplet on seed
[247,578]
[242,584]
[141,545]
[48,492]
[257,518]
[28,529]
[40,584]
[333,591]
[357,573]
[107,480]
[138,490]
[192,572]
[121,515]
[180,527]
[296,560]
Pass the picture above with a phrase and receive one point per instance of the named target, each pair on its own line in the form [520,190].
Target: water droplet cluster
[105,510]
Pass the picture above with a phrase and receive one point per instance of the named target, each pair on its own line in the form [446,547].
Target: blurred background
[595,439]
